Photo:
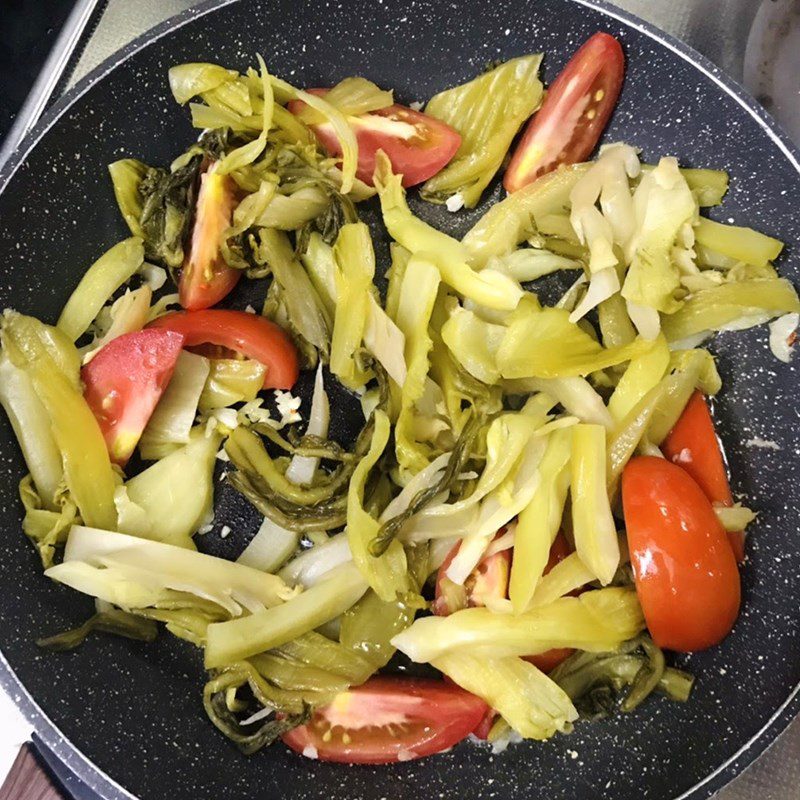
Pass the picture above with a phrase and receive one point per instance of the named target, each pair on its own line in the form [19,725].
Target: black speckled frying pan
[127,717]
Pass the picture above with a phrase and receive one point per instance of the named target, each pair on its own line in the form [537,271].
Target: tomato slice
[123,384]
[489,580]
[389,719]
[693,445]
[686,575]
[251,335]
[417,145]
[206,278]
[574,114]
[485,725]
[550,659]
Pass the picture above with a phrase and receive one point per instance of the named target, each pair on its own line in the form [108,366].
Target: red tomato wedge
[124,382]
[485,725]
[489,580]
[206,278]
[686,576]
[693,445]
[574,114]
[389,719]
[249,334]
[550,659]
[417,145]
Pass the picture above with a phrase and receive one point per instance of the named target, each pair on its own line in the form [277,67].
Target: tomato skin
[251,335]
[564,130]
[489,580]
[550,659]
[390,719]
[206,278]
[124,382]
[485,725]
[693,445]
[418,158]
[686,575]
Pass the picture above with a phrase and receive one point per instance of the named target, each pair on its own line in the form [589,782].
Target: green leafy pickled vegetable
[167,199]
[176,493]
[386,573]
[353,97]
[740,244]
[190,80]
[488,287]
[337,120]
[539,522]
[545,344]
[31,425]
[247,153]
[171,423]
[45,527]
[532,704]
[306,313]
[318,260]
[368,627]
[487,112]
[415,306]
[575,621]
[354,269]
[665,203]
[50,362]
[126,177]
[249,635]
[565,577]
[514,219]
[592,522]
[231,380]
[596,681]
[113,621]
[249,739]
[738,305]
[134,573]
[642,374]
[101,280]
[419,500]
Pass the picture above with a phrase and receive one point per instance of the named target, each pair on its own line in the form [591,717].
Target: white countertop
[14,732]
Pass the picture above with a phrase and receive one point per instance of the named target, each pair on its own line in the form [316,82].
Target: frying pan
[127,717]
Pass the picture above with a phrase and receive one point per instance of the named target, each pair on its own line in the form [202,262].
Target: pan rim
[81,765]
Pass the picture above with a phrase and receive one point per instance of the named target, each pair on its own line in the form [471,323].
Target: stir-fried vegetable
[508,473]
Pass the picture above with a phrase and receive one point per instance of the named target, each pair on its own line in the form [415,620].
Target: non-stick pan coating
[135,710]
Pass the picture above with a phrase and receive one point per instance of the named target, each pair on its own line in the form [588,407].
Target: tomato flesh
[574,114]
[251,335]
[550,659]
[123,384]
[206,278]
[389,719]
[685,572]
[417,145]
[488,581]
[693,445]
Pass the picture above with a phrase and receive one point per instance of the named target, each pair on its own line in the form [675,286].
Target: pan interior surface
[135,709]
